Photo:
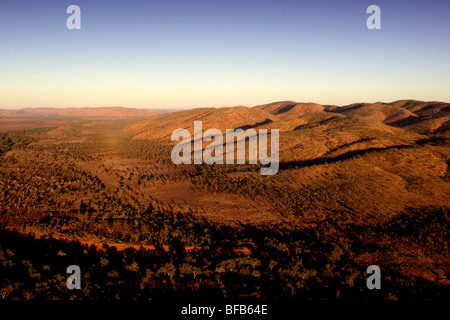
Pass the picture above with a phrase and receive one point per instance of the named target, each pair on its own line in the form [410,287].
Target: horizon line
[222,106]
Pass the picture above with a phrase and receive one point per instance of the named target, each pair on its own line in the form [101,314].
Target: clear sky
[192,53]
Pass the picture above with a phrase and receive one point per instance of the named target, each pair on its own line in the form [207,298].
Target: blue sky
[184,54]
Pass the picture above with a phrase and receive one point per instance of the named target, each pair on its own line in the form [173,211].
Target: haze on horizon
[179,54]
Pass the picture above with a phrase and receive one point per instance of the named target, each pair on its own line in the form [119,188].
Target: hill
[372,149]
[162,126]
[416,116]
[289,109]
[312,130]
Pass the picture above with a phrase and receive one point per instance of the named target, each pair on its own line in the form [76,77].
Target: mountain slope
[288,110]
[162,126]
[417,116]
[309,130]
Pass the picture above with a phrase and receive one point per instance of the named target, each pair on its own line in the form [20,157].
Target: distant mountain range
[102,112]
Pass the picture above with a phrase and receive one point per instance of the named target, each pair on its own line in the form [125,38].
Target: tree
[6,290]
[167,269]
[133,267]
[187,269]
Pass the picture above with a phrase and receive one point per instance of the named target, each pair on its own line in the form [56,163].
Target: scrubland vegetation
[357,186]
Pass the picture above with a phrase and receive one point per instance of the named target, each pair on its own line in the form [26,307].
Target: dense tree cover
[300,264]
[19,138]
